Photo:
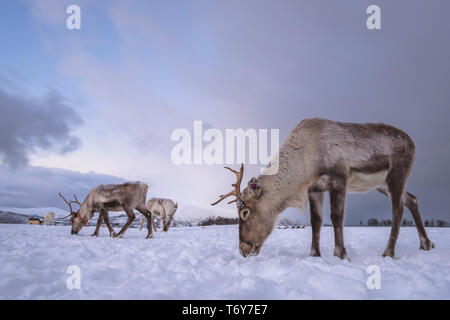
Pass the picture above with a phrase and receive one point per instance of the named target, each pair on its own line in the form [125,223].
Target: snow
[204,263]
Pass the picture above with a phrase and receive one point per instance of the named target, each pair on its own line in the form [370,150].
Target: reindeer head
[77,221]
[255,221]
[168,221]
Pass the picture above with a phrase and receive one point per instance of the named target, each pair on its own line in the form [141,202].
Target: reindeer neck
[274,197]
[84,210]
[288,187]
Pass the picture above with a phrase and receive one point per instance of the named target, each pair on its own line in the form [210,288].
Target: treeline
[373,222]
[218,221]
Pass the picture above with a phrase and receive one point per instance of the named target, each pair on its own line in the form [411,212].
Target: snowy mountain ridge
[40,212]
[184,213]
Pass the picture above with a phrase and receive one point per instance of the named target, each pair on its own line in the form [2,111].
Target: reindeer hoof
[117,235]
[426,245]
[340,252]
[388,253]
[113,235]
[150,236]
[94,235]
[315,253]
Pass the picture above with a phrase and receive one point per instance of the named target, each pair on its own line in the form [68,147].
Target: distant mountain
[185,215]
[192,213]
[41,212]
[10,217]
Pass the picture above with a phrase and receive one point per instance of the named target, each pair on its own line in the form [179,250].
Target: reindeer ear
[254,187]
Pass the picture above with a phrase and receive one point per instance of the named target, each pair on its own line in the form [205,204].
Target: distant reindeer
[322,155]
[49,218]
[163,209]
[126,197]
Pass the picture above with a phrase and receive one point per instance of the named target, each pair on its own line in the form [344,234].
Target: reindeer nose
[73,232]
[247,249]
[244,249]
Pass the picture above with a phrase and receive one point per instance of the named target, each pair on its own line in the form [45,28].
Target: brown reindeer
[126,197]
[322,155]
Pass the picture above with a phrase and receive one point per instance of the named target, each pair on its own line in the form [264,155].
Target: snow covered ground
[204,263]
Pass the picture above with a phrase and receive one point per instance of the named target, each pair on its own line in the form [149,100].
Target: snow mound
[204,263]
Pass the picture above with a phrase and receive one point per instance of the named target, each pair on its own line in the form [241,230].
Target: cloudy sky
[98,105]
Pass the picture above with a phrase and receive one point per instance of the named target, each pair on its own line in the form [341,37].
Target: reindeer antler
[237,186]
[76,200]
[69,203]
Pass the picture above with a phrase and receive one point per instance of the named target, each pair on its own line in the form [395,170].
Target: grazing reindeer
[164,209]
[322,155]
[49,218]
[127,196]
[75,214]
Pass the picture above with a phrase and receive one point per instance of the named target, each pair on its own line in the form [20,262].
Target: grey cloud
[30,124]
[39,186]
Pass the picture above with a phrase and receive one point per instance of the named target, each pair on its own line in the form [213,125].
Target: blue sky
[21,45]
[137,70]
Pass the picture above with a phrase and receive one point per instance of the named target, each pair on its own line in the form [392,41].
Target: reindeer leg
[168,223]
[142,223]
[396,184]
[112,233]
[337,199]
[148,214]
[150,222]
[410,201]
[99,223]
[156,216]
[315,206]
[131,217]
[154,225]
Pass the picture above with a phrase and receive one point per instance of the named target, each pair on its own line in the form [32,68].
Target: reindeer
[163,209]
[126,197]
[49,218]
[322,155]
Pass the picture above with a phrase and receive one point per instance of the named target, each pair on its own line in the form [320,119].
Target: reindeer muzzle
[247,249]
